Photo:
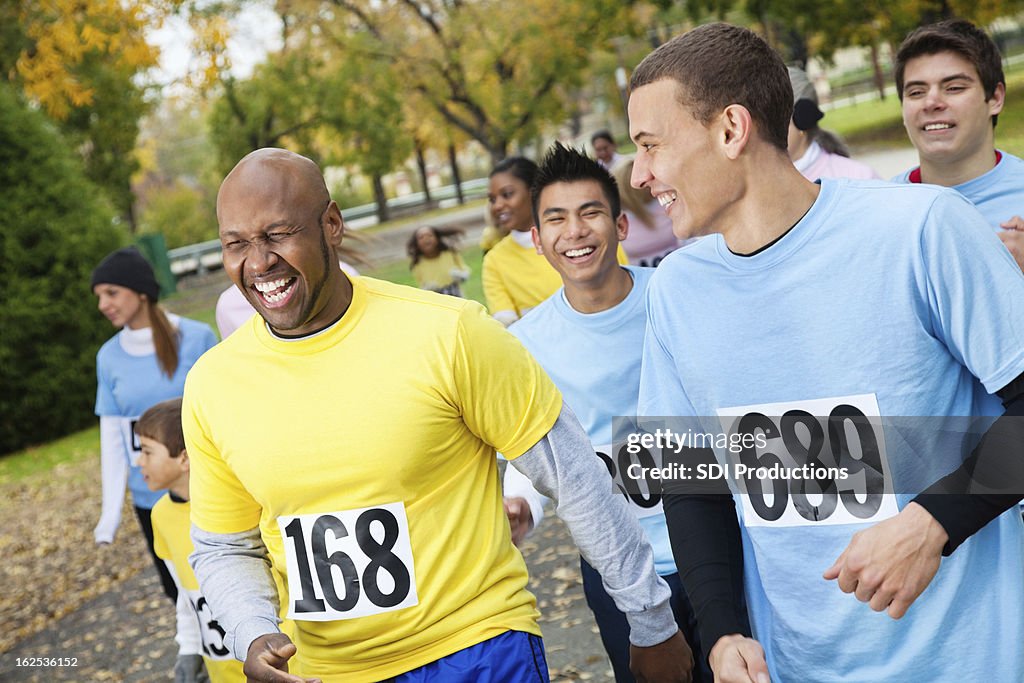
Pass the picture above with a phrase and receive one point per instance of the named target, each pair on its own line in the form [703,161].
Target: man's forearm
[233,571]
[564,467]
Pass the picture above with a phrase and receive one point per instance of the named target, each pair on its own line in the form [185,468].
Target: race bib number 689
[842,434]
[348,564]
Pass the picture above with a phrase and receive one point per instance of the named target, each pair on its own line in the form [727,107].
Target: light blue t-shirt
[129,385]
[998,194]
[594,360]
[884,299]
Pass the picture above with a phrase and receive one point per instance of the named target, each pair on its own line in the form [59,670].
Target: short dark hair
[602,135]
[564,164]
[162,423]
[959,37]
[719,64]
[520,167]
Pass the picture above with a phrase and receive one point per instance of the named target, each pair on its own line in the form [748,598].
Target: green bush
[54,229]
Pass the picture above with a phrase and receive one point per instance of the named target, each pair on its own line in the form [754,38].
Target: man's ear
[535,234]
[333,224]
[736,129]
[184,462]
[622,226]
[998,99]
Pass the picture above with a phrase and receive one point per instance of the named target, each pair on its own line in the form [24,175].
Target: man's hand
[267,661]
[1012,236]
[520,518]
[738,659]
[670,661]
[890,564]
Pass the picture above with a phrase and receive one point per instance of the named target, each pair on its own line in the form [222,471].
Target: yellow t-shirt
[517,278]
[366,455]
[435,273]
[172,542]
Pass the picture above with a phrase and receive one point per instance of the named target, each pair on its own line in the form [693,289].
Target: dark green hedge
[54,228]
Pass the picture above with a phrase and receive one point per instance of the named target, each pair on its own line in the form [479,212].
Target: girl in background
[515,277]
[650,237]
[143,364]
[435,262]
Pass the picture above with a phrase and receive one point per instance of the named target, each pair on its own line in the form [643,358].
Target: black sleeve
[989,482]
[705,536]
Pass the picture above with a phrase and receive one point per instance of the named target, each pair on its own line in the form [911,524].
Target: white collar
[810,156]
[523,239]
[140,342]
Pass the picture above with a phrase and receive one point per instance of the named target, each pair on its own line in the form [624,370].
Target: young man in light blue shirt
[809,313]
[588,336]
[949,78]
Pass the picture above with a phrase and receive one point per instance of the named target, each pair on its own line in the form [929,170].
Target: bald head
[274,175]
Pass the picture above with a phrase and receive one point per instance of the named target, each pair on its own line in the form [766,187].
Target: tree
[53,231]
[495,72]
[273,108]
[80,60]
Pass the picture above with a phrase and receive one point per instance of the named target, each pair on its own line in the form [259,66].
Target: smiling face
[159,469]
[279,231]
[677,160]
[426,240]
[578,234]
[509,198]
[122,306]
[946,114]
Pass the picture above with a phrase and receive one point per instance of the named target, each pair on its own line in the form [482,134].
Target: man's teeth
[573,253]
[938,126]
[666,198]
[270,292]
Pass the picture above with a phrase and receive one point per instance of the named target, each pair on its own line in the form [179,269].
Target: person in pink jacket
[818,153]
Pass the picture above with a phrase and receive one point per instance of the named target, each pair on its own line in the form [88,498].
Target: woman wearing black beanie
[143,364]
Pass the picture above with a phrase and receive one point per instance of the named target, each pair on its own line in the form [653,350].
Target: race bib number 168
[348,564]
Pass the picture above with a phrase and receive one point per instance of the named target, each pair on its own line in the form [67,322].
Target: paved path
[127,633]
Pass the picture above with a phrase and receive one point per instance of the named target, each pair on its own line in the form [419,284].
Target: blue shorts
[512,657]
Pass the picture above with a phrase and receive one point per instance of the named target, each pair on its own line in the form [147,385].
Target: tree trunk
[380,198]
[421,164]
[498,150]
[456,178]
[877,67]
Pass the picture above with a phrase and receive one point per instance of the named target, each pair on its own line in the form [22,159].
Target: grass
[398,272]
[42,459]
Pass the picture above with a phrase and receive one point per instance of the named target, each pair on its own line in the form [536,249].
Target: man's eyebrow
[592,205]
[238,233]
[954,77]
[554,210]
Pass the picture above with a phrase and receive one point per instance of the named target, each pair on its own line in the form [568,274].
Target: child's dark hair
[162,423]
[447,240]
[567,165]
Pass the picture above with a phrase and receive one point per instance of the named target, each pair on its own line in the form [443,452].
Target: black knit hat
[127,267]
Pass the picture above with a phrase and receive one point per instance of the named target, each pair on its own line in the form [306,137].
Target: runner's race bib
[643,496]
[348,564]
[827,436]
[132,445]
[209,630]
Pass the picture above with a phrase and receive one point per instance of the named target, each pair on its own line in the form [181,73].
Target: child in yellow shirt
[164,465]
[436,263]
